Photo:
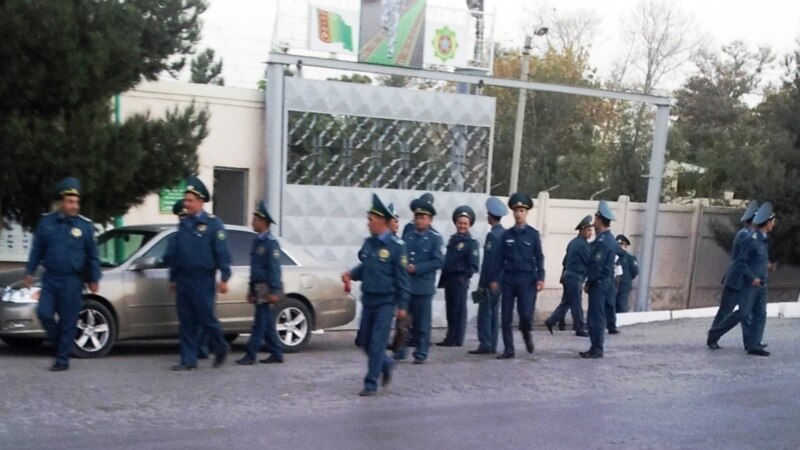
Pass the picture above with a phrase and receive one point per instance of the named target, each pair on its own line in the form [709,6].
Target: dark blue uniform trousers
[61,295]
[600,294]
[729,300]
[373,337]
[752,314]
[264,331]
[420,335]
[488,319]
[519,288]
[611,308]
[455,301]
[623,294]
[570,300]
[195,303]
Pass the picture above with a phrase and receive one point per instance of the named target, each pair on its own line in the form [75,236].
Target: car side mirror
[144,263]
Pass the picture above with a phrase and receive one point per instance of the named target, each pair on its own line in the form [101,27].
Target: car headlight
[24,295]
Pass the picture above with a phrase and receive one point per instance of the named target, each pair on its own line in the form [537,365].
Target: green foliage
[354,78]
[55,93]
[204,70]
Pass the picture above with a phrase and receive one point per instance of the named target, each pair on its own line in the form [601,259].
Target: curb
[788,310]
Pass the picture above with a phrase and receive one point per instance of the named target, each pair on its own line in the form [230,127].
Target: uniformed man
[460,263]
[266,289]
[202,341]
[489,281]
[600,278]
[385,288]
[753,264]
[178,209]
[731,280]
[195,253]
[394,221]
[424,247]
[64,244]
[523,274]
[573,276]
[629,266]
[411,226]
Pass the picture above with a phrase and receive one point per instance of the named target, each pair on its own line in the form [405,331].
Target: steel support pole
[651,212]
[515,156]
[273,118]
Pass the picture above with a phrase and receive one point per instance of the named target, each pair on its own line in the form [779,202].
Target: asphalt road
[658,387]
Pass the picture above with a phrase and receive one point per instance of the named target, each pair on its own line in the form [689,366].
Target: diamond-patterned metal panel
[330,224]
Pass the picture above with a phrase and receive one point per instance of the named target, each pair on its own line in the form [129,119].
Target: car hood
[11,277]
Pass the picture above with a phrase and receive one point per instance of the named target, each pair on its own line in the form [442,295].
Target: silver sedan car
[135,302]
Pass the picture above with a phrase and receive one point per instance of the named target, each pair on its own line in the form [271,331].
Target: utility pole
[523,95]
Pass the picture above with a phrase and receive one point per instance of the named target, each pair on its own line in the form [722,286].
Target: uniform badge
[598,256]
[76,232]
[383,254]
[261,250]
[202,227]
[221,235]
[488,246]
[276,254]
[460,246]
[403,261]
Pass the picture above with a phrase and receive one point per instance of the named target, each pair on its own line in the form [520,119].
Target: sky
[241,31]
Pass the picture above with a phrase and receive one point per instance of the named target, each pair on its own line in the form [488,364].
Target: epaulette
[211,216]
[434,231]
[398,240]
[271,237]
[45,214]
[85,218]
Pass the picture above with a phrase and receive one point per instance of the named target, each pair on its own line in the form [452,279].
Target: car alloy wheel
[293,324]
[96,330]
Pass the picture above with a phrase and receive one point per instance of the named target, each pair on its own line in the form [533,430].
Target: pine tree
[63,61]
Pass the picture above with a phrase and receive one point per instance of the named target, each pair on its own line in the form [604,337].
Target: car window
[239,245]
[158,250]
[116,246]
[286,260]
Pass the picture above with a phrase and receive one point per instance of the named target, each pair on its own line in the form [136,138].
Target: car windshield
[117,246]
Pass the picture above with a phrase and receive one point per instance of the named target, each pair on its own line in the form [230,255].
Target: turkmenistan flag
[332,28]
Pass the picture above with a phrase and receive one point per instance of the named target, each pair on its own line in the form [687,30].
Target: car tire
[97,331]
[22,343]
[230,337]
[293,322]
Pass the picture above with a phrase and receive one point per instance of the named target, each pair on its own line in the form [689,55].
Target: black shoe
[479,351]
[419,361]
[271,360]
[386,378]
[202,356]
[562,326]
[367,393]
[590,354]
[549,327]
[582,333]
[613,331]
[758,352]
[398,357]
[763,345]
[712,344]
[246,361]
[446,344]
[506,356]
[59,367]
[183,367]
[526,335]
[219,358]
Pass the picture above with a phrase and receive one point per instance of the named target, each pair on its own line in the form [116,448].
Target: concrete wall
[689,264]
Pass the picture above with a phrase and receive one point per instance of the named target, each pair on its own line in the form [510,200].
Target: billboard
[392,32]
[448,42]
